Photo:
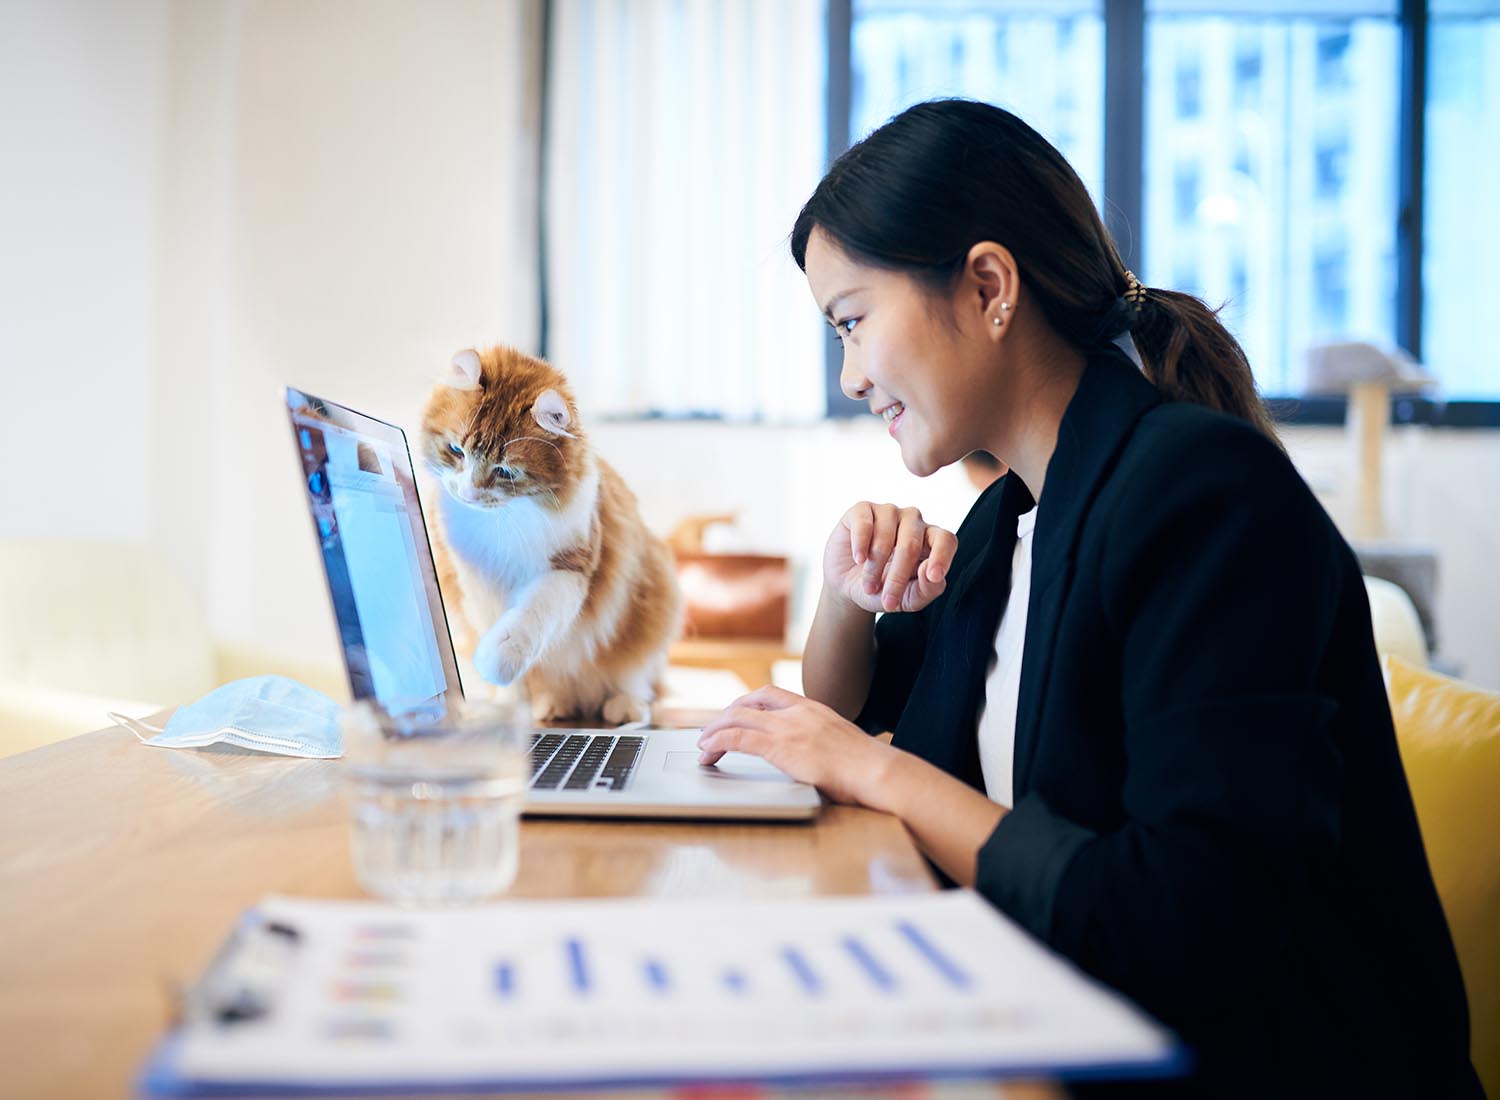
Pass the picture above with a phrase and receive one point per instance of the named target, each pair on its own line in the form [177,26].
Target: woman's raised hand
[883,558]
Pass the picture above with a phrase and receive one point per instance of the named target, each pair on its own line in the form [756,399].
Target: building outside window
[1043,61]
[1292,145]
[1461,212]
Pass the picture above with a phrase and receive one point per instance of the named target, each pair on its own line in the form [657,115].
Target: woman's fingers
[741,713]
[942,547]
[861,522]
[882,544]
[910,545]
[769,697]
[733,738]
[932,575]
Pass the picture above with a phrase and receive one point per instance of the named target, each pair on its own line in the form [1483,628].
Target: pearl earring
[997,320]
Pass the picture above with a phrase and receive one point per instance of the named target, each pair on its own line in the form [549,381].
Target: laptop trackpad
[734,765]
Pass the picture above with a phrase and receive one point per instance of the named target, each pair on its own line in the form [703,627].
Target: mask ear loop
[135,726]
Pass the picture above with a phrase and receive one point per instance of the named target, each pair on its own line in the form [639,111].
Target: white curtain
[682,138]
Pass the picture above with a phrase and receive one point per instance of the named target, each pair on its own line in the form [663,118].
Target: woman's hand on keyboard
[805,739]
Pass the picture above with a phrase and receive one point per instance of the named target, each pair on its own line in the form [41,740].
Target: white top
[1002,687]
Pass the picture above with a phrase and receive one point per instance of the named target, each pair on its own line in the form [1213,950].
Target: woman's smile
[892,414]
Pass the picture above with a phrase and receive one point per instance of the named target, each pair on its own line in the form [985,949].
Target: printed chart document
[537,994]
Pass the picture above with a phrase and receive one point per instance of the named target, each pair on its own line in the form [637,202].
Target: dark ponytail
[919,192]
[1190,356]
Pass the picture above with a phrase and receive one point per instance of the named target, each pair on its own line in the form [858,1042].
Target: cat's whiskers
[556,501]
[534,439]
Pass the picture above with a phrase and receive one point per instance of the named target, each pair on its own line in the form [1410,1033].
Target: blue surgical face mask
[267,713]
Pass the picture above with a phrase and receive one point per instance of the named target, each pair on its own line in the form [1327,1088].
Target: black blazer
[1210,810]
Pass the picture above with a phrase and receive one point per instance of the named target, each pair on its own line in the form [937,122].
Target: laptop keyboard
[583,761]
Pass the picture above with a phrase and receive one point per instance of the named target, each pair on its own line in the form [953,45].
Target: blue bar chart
[850,964]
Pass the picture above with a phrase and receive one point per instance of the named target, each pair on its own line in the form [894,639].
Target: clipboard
[352,998]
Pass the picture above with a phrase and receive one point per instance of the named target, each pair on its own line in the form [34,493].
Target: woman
[1135,702]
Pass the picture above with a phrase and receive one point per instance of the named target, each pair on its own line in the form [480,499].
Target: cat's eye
[505,473]
[455,449]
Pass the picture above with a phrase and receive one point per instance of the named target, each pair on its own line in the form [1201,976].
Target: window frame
[1124,173]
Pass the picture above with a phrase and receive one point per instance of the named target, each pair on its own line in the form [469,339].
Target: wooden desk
[123,866]
[750,659]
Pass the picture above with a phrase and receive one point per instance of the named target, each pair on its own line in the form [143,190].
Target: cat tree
[1369,376]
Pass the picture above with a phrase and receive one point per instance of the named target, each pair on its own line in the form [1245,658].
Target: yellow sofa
[1449,733]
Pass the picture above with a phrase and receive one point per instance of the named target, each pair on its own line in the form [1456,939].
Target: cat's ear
[463,371]
[551,412]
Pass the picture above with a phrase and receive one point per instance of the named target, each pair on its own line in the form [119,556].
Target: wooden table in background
[123,866]
[750,659]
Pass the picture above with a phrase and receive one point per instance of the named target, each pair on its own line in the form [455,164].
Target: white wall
[205,201]
[81,96]
[202,201]
[347,209]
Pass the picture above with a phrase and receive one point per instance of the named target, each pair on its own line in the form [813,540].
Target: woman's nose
[855,385]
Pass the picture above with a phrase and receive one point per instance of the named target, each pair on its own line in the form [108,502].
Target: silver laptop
[362,492]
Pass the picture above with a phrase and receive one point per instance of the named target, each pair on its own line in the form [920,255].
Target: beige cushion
[1398,629]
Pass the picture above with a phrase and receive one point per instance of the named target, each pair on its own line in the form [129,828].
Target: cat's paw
[549,708]
[622,708]
[503,654]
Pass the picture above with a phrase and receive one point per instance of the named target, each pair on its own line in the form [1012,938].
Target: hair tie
[1123,314]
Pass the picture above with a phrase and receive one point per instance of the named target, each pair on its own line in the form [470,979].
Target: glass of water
[436,792]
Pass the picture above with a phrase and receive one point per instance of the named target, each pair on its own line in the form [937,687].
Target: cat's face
[502,426]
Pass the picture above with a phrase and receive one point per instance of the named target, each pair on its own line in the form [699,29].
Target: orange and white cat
[558,580]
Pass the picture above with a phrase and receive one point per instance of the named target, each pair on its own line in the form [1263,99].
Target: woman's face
[906,353]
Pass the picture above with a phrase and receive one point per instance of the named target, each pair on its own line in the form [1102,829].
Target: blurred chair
[1449,734]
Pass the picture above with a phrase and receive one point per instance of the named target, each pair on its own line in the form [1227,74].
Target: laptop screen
[358,476]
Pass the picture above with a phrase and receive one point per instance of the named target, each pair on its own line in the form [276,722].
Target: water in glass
[436,803]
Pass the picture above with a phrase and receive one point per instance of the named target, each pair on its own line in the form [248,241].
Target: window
[1292,147]
[1331,290]
[1185,192]
[1461,217]
[1189,88]
[1333,50]
[1247,69]
[679,148]
[1044,61]
[1259,151]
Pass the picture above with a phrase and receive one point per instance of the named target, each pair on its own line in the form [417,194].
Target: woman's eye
[455,449]
[847,326]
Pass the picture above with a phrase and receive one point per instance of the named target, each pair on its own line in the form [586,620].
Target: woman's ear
[991,284]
